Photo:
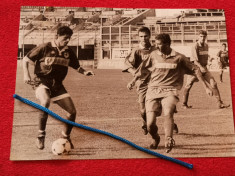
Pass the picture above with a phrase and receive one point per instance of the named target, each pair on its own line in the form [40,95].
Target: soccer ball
[61,146]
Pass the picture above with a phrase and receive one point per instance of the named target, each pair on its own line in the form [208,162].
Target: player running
[167,69]
[200,58]
[132,62]
[223,61]
[51,61]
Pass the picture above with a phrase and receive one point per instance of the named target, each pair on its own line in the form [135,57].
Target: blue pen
[24,100]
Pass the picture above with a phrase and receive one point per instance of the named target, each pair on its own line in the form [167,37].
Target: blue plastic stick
[190,166]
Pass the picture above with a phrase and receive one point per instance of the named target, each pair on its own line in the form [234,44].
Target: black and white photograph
[158,78]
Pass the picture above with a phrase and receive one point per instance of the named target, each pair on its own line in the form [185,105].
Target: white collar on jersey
[201,44]
[53,44]
[173,53]
[142,47]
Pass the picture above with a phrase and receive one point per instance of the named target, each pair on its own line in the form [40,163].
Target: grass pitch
[103,102]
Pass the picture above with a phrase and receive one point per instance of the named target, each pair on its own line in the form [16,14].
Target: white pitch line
[81,120]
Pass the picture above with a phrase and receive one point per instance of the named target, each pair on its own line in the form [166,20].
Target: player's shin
[185,97]
[68,128]
[221,76]
[42,121]
[153,129]
[41,132]
[143,115]
[168,127]
[216,94]
[144,123]
[219,102]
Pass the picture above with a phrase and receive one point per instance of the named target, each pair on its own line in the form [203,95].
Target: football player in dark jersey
[51,61]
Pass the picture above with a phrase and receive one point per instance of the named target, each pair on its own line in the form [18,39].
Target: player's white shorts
[58,94]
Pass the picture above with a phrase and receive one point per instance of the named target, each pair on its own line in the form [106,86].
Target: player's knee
[168,117]
[213,84]
[71,114]
[72,111]
[187,87]
[45,102]
[142,111]
[168,112]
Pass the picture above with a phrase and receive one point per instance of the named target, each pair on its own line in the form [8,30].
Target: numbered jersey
[50,62]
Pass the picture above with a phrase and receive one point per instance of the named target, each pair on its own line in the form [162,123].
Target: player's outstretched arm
[27,77]
[84,72]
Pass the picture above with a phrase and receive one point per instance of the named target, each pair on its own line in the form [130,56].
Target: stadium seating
[112,28]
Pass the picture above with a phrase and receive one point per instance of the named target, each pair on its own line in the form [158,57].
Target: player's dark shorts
[158,99]
[56,89]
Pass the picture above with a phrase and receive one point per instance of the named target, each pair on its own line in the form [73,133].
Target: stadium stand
[109,32]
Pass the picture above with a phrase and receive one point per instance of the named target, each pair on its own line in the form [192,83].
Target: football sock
[216,94]
[41,133]
[168,126]
[185,96]
[68,128]
[143,115]
[42,121]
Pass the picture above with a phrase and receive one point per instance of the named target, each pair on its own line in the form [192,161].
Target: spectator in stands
[51,61]
[223,61]
[200,58]
[178,18]
[182,16]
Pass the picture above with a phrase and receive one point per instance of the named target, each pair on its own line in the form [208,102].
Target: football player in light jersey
[132,62]
[167,69]
[51,61]
[223,61]
[200,58]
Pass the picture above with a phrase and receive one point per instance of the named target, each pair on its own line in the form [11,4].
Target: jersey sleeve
[129,61]
[74,63]
[36,53]
[194,53]
[189,66]
[145,68]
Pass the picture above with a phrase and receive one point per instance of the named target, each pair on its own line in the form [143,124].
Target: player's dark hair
[224,44]
[202,32]
[64,30]
[144,29]
[165,38]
